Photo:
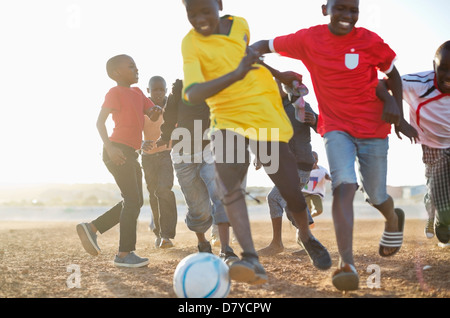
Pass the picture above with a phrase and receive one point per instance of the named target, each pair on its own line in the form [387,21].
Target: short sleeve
[383,55]
[112,100]
[291,45]
[191,64]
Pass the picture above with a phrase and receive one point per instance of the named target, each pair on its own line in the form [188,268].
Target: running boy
[428,95]
[343,61]
[246,111]
[128,105]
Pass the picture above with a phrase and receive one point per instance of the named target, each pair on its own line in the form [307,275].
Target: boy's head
[441,66]
[157,89]
[316,156]
[203,15]
[343,15]
[123,70]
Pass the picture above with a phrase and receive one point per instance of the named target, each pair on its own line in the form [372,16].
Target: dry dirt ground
[37,260]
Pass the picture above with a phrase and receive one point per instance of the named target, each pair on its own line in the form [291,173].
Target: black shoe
[228,256]
[204,247]
[248,270]
[317,253]
[442,232]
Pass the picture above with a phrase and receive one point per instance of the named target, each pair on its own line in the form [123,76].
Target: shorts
[370,155]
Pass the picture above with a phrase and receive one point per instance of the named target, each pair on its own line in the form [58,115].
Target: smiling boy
[344,61]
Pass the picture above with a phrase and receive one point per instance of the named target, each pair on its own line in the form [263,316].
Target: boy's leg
[166,197]
[129,180]
[276,207]
[372,161]
[151,178]
[229,177]
[341,152]
[287,180]
[198,217]
[438,161]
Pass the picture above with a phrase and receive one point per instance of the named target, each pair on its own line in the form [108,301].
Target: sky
[54,80]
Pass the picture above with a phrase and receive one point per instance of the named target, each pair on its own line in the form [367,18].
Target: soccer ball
[201,275]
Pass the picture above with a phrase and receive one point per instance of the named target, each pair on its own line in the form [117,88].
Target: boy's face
[343,15]
[204,15]
[157,90]
[442,68]
[126,71]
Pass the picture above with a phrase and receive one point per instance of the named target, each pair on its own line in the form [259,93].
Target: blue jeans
[277,204]
[129,180]
[197,182]
[159,177]
[370,156]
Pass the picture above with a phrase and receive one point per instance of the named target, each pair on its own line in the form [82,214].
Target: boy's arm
[199,92]
[392,110]
[115,154]
[284,77]
[392,103]
[170,113]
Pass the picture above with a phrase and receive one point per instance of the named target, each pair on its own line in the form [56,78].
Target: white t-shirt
[316,184]
[429,109]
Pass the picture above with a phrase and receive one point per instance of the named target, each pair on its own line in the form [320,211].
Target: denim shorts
[370,155]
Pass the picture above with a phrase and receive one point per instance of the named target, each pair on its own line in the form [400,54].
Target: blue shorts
[370,156]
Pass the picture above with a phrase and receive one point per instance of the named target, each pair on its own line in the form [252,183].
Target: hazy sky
[54,80]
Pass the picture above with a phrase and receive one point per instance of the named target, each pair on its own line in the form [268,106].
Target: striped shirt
[429,109]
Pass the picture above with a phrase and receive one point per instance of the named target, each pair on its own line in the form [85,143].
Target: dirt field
[37,260]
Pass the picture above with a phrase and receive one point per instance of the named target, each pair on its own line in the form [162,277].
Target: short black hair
[112,63]
[157,78]
[443,46]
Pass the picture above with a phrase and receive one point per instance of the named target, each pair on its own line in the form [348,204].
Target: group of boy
[356,111]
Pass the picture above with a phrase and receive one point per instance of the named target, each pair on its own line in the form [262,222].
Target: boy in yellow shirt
[246,112]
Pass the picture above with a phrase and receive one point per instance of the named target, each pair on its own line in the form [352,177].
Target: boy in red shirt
[343,61]
[128,106]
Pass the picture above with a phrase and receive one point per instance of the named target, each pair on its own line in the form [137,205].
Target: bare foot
[272,249]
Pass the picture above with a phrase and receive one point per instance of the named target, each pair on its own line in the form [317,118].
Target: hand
[247,63]
[116,155]
[288,77]
[148,145]
[408,130]
[160,143]
[310,118]
[154,113]
[391,112]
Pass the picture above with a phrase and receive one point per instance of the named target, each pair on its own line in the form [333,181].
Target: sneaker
[165,243]
[317,253]
[204,247]
[228,256]
[442,245]
[157,241]
[248,270]
[442,232]
[131,260]
[429,229]
[345,277]
[88,239]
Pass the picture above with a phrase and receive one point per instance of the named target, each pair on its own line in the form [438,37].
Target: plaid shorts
[437,172]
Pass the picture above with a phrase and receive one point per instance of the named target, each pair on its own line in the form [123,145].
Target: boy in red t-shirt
[128,106]
[343,61]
